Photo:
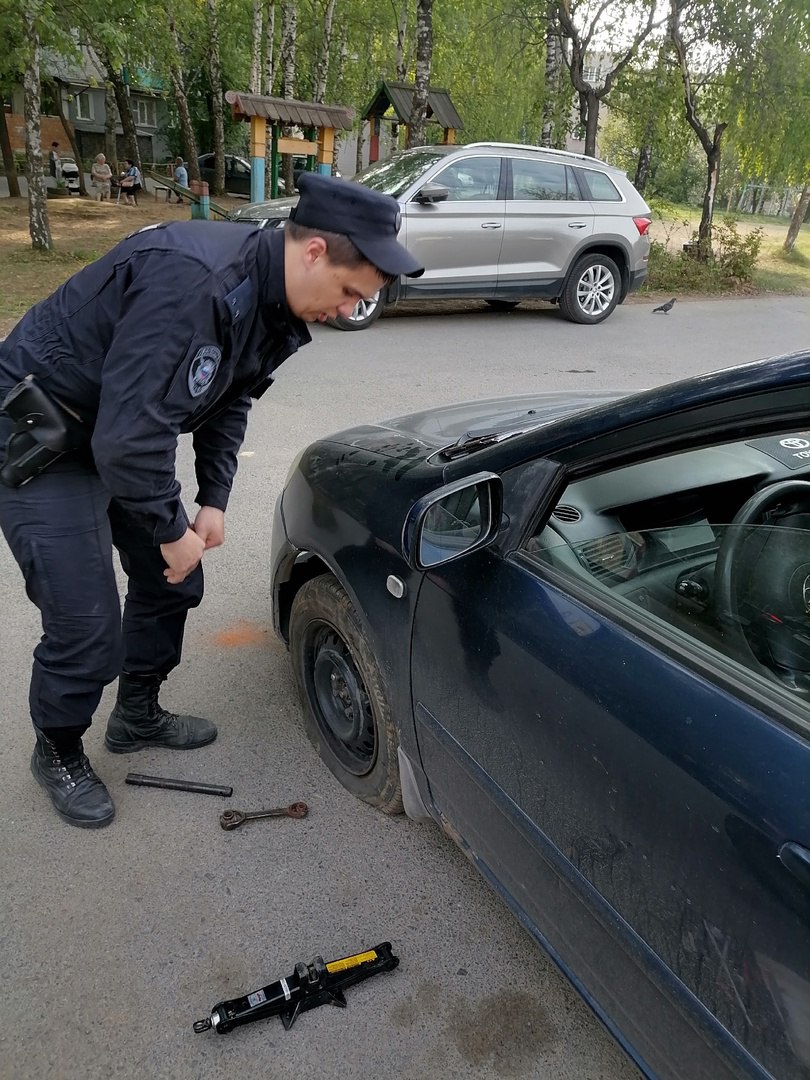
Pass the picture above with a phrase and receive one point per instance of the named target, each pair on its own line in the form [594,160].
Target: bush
[736,255]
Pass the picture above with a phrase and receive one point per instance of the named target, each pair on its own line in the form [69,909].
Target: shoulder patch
[203,368]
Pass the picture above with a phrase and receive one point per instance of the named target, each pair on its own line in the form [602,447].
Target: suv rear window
[542,181]
[602,187]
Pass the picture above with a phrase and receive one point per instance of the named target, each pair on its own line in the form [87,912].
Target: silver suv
[505,223]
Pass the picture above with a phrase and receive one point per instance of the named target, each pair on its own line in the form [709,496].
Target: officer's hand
[182,556]
[209,524]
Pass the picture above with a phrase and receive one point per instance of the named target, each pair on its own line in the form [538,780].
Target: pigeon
[670,304]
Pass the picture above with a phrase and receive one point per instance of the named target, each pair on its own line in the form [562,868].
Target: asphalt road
[114,942]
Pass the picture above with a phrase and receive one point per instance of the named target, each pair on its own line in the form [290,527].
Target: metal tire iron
[310,985]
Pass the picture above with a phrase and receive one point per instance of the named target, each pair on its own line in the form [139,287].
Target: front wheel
[365,313]
[346,712]
[592,290]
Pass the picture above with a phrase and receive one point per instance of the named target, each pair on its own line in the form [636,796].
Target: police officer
[175,330]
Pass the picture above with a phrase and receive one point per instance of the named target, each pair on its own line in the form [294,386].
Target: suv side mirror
[432,193]
[453,521]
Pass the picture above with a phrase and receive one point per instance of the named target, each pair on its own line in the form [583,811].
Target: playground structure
[318,122]
[397,98]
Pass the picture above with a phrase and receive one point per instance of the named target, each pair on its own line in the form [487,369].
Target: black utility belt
[44,430]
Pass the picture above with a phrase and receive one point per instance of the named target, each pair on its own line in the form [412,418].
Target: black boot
[138,721]
[77,794]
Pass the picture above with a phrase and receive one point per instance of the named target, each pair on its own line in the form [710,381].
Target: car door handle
[796,859]
[577,224]
[491,224]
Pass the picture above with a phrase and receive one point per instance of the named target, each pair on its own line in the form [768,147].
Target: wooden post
[374,142]
[326,150]
[199,207]
[258,149]
[449,137]
[275,161]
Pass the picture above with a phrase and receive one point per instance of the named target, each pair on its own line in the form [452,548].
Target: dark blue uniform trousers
[61,528]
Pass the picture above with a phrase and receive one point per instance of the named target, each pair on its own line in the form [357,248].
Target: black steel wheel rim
[339,699]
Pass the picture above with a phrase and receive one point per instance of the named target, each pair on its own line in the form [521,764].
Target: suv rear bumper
[637,279]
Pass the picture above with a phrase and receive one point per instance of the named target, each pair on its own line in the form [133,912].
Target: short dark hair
[339,248]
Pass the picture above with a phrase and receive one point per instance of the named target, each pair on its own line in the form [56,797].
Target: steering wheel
[762,582]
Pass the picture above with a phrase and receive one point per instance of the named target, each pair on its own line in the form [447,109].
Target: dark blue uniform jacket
[175,330]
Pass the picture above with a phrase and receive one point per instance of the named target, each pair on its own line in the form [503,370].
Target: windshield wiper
[468,444]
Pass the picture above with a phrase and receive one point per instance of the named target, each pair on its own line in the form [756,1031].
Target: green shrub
[736,255]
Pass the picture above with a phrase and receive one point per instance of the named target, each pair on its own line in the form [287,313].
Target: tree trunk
[643,167]
[421,87]
[255,85]
[802,206]
[707,212]
[70,132]
[402,29]
[9,163]
[124,109]
[269,45]
[591,123]
[711,145]
[361,138]
[190,152]
[289,35]
[110,142]
[319,93]
[766,191]
[549,132]
[38,224]
[215,73]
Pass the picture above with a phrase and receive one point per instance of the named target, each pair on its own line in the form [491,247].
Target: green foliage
[736,255]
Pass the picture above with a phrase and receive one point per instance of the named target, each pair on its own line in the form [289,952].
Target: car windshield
[398,173]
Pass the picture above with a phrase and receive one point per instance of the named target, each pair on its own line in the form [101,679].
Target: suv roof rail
[542,150]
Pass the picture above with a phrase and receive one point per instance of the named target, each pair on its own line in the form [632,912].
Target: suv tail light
[642,224]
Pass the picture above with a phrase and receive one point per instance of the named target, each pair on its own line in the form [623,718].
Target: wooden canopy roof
[399,96]
[306,114]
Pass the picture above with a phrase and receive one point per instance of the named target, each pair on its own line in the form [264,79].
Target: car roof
[528,150]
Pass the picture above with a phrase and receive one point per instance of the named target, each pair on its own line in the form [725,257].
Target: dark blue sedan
[575,631]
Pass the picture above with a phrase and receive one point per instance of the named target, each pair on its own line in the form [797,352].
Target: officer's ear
[315,248]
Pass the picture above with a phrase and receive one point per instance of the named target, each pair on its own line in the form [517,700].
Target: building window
[83,106]
[144,111]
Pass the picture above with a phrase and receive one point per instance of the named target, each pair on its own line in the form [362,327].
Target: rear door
[459,239]
[547,220]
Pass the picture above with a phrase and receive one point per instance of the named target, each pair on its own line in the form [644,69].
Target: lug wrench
[232,819]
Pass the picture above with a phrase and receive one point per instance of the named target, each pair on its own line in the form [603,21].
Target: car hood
[449,423]
[274,209]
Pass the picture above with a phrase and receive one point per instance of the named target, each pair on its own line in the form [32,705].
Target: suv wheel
[366,312]
[592,290]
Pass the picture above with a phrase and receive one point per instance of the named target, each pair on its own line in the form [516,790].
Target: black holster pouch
[44,430]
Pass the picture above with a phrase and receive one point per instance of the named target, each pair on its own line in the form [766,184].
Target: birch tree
[322,69]
[289,40]
[38,223]
[608,24]
[181,100]
[215,75]
[421,86]
[255,84]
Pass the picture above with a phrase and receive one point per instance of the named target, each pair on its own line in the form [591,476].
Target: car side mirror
[432,193]
[453,521]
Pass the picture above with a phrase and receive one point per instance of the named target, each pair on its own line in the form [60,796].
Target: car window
[396,174]
[601,186]
[239,168]
[473,179]
[541,180]
[736,587]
